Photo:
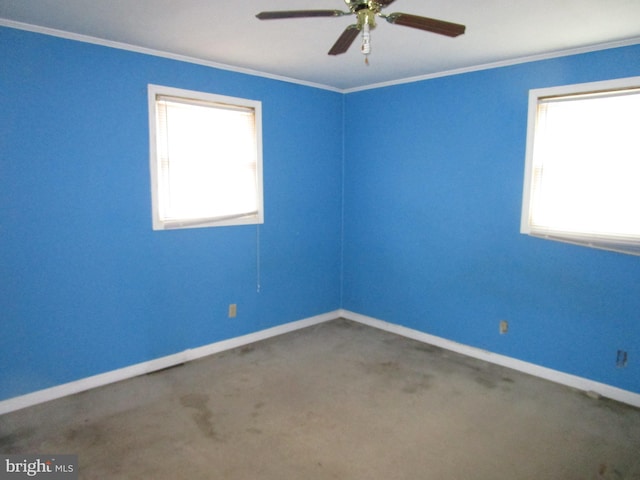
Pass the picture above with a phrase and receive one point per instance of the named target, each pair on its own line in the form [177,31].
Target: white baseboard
[556,376]
[88,383]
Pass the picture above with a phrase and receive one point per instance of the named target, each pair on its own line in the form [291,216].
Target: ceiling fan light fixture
[366,22]
[366,43]
[366,17]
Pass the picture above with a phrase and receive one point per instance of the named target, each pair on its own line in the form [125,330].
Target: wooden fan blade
[345,40]
[300,14]
[429,24]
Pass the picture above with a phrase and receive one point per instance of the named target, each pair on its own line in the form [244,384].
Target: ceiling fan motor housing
[366,12]
[357,5]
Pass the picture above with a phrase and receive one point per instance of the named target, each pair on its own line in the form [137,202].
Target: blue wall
[432,192]
[434,174]
[86,285]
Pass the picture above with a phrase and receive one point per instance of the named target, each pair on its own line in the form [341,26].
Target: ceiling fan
[366,12]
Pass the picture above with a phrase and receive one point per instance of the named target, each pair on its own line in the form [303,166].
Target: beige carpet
[334,401]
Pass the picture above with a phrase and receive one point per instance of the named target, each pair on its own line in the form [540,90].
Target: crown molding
[157,53]
[247,71]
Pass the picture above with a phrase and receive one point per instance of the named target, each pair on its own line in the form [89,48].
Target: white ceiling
[226,33]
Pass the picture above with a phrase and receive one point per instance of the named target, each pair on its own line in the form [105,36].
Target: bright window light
[582,172]
[205,159]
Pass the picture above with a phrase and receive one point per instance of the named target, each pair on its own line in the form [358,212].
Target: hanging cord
[258,258]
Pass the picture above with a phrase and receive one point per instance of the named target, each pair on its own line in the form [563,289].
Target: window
[205,159]
[582,175]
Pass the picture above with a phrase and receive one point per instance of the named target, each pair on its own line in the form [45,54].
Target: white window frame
[624,243]
[211,100]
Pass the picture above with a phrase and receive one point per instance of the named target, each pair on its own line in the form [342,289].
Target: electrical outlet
[504,327]
[233,310]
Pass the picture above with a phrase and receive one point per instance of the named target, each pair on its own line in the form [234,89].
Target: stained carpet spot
[85,435]
[485,382]
[418,385]
[202,415]
[247,349]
